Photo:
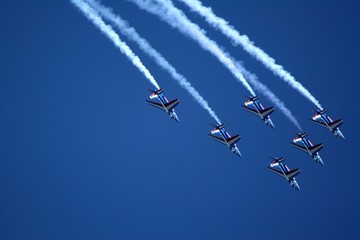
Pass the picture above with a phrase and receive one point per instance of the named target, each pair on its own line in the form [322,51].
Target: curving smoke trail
[229,31]
[144,45]
[177,19]
[94,17]
[174,17]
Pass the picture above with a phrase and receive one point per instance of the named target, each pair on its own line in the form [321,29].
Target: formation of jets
[255,107]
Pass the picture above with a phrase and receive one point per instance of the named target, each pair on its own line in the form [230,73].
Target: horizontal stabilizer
[336,124]
[298,140]
[217,127]
[155,93]
[266,111]
[254,98]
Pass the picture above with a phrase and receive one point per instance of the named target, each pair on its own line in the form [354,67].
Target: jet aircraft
[322,119]
[311,149]
[259,110]
[165,105]
[285,172]
[226,139]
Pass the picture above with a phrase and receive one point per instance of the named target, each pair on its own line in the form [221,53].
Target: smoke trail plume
[229,31]
[171,15]
[252,78]
[144,45]
[177,19]
[94,17]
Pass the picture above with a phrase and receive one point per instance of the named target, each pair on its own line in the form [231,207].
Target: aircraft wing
[292,173]
[276,172]
[300,147]
[218,139]
[266,111]
[319,123]
[233,140]
[336,124]
[251,110]
[170,105]
[316,148]
[157,105]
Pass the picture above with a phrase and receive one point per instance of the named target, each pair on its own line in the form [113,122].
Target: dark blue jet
[165,105]
[259,110]
[308,147]
[226,139]
[322,119]
[285,172]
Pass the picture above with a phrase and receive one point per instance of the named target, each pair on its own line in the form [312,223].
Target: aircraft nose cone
[176,118]
[296,186]
[319,160]
[237,152]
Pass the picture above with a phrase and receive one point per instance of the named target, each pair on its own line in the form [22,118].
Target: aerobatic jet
[226,139]
[322,119]
[259,110]
[285,172]
[165,105]
[308,147]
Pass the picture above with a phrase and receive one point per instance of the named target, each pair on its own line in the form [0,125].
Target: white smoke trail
[169,14]
[229,31]
[94,17]
[177,19]
[252,78]
[144,45]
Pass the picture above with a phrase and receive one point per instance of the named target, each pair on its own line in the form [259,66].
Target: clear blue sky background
[82,156]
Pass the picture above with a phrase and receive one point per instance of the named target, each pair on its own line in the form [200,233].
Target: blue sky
[82,156]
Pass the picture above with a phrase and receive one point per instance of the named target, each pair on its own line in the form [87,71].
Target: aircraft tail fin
[155,93]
